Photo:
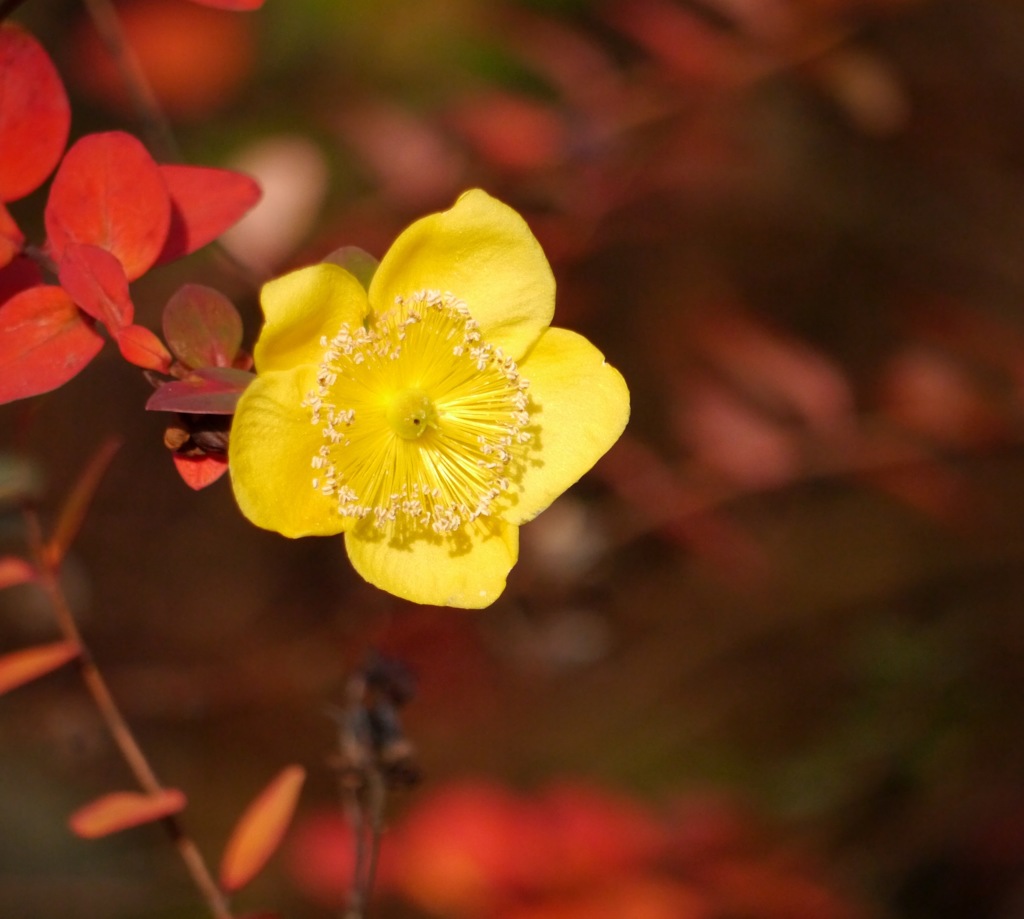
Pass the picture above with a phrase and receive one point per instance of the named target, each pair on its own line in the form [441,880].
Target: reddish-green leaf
[207,391]
[260,829]
[20,667]
[14,571]
[108,192]
[141,347]
[121,810]
[35,116]
[44,341]
[356,261]
[199,471]
[19,275]
[97,283]
[204,203]
[236,5]
[11,237]
[202,327]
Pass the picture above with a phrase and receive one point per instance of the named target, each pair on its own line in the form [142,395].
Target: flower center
[425,425]
[411,412]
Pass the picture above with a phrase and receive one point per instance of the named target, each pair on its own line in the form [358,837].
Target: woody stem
[147,106]
[48,578]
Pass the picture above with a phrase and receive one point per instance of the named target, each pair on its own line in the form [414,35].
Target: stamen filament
[424,422]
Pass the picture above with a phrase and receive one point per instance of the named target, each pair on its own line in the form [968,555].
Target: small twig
[9,6]
[124,739]
[377,796]
[154,122]
[42,258]
[374,756]
[364,809]
[358,895]
[354,766]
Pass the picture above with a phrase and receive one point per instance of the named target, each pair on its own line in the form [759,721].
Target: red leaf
[260,829]
[108,192]
[35,116]
[44,341]
[321,858]
[512,131]
[207,391]
[199,471]
[20,667]
[202,327]
[204,203]
[121,810]
[237,5]
[19,275]
[14,571]
[141,347]
[97,283]
[11,237]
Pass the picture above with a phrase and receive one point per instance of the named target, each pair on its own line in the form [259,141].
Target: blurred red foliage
[477,850]
[195,58]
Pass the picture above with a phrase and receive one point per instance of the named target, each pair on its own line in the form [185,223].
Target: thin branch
[154,122]
[377,794]
[124,739]
[374,756]
[358,894]
[7,7]
[364,809]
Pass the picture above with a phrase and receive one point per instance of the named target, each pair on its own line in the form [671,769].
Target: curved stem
[147,106]
[9,6]
[121,733]
[155,125]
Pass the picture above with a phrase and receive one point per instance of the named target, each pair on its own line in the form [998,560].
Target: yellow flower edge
[482,251]
[299,308]
[428,418]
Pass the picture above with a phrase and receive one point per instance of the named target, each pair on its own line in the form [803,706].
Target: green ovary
[410,413]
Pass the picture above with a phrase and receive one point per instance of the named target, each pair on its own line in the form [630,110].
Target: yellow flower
[426,418]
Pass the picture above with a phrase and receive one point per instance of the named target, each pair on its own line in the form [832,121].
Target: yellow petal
[465,570]
[483,252]
[270,456]
[579,405]
[302,306]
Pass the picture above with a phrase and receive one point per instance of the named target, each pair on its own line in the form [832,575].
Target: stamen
[424,423]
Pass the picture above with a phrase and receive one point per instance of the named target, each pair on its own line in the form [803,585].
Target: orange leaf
[35,116]
[44,341]
[199,471]
[260,829]
[122,810]
[96,281]
[108,192]
[204,203]
[14,570]
[142,348]
[20,667]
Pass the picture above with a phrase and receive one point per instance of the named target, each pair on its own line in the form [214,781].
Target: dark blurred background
[780,624]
